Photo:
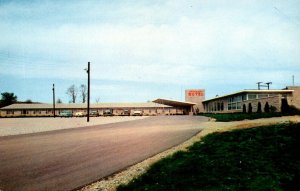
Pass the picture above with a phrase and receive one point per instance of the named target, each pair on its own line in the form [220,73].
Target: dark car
[125,112]
[107,112]
[94,114]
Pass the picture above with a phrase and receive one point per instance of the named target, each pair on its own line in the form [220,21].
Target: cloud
[183,42]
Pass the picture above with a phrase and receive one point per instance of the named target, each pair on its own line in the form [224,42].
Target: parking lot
[15,126]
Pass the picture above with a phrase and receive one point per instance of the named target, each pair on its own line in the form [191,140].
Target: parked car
[125,112]
[79,114]
[66,113]
[94,114]
[107,112]
[137,113]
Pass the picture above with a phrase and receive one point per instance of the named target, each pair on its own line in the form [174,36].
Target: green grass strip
[262,158]
[226,117]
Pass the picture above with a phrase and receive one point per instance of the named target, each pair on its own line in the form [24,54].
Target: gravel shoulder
[17,126]
[112,182]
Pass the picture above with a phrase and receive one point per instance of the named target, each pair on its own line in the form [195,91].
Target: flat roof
[250,91]
[84,105]
[174,103]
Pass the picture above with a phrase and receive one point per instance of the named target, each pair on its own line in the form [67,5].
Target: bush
[284,106]
[249,108]
[244,108]
[259,107]
[267,107]
[273,109]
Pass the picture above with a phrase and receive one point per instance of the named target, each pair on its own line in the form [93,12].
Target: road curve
[70,158]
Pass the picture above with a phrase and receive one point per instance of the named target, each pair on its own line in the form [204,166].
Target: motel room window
[262,96]
[216,106]
[252,96]
[235,103]
[10,112]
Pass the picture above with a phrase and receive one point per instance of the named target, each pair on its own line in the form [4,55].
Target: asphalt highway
[70,158]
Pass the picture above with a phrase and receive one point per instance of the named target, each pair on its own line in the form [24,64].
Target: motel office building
[252,98]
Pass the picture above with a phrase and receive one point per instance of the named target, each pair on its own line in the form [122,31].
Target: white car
[79,114]
[137,113]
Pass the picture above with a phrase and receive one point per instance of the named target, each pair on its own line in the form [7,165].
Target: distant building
[194,103]
[235,102]
[117,109]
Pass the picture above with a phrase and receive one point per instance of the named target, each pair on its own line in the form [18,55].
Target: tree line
[8,98]
[73,93]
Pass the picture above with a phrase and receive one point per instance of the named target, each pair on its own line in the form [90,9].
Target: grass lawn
[262,158]
[225,117]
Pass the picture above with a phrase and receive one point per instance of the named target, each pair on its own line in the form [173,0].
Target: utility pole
[293,80]
[88,97]
[53,89]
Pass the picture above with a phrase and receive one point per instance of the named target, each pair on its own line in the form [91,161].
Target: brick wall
[273,101]
[295,99]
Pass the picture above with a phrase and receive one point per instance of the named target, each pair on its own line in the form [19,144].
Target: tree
[244,108]
[249,108]
[7,99]
[28,101]
[58,100]
[97,99]
[259,107]
[267,107]
[83,92]
[284,106]
[72,92]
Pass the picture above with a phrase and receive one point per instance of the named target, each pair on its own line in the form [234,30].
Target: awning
[174,103]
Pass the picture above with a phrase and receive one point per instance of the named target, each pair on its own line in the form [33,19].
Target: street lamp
[88,97]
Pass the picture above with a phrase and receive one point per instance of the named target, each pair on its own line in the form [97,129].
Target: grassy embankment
[262,158]
[226,117]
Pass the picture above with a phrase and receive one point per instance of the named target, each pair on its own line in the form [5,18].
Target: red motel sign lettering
[196,93]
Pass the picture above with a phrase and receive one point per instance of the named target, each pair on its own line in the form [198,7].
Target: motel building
[169,107]
[235,102]
[194,103]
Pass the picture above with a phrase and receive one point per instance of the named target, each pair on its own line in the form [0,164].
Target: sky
[143,50]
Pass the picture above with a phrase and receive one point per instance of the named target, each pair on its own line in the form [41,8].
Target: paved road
[70,158]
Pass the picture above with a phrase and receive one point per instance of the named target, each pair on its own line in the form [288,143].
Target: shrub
[293,110]
[259,107]
[244,109]
[249,108]
[267,107]
[273,109]
[284,106]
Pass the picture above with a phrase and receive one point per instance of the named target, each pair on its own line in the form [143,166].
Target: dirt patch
[124,177]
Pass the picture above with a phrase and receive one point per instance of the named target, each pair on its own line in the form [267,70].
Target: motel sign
[195,93]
